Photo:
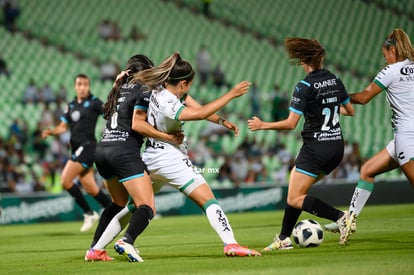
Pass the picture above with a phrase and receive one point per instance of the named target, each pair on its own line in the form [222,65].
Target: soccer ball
[308,233]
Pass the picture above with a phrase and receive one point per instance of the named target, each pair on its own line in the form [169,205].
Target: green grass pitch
[383,244]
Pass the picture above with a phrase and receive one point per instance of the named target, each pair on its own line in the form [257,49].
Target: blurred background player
[81,115]
[397,80]
[320,97]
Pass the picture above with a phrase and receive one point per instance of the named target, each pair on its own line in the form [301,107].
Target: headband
[182,77]
[390,42]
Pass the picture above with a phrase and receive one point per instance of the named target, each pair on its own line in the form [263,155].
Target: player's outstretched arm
[207,110]
[290,123]
[215,118]
[366,95]
[59,129]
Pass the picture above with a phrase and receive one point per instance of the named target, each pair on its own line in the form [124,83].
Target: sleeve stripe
[177,115]
[63,119]
[140,107]
[376,81]
[345,101]
[295,111]
[305,83]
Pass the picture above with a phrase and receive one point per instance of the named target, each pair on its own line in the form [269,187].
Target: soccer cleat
[235,249]
[89,221]
[333,227]
[279,244]
[128,250]
[344,227]
[93,255]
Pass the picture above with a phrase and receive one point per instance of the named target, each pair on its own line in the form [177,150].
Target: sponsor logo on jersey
[407,70]
[325,83]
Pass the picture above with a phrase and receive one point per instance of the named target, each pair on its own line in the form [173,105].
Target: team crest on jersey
[75,115]
[86,104]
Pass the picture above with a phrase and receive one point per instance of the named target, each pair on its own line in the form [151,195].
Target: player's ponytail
[171,70]
[403,47]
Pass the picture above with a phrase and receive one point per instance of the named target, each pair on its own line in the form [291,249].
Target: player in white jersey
[397,80]
[170,105]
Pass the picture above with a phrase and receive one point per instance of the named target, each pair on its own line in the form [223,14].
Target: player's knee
[67,183]
[91,188]
[294,202]
[148,210]
[366,172]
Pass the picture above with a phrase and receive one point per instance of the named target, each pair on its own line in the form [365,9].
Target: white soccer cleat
[344,227]
[128,250]
[279,244]
[333,227]
[89,221]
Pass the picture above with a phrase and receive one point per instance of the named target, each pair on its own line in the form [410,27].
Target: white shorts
[401,147]
[175,170]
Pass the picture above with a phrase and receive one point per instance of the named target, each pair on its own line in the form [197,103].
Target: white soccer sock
[113,229]
[361,194]
[218,220]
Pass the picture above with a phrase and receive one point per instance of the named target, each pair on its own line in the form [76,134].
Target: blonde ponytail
[156,76]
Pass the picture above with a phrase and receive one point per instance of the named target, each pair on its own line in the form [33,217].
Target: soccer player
[320,97]
[119,162]
[397,80]
[81,115]
[171,105]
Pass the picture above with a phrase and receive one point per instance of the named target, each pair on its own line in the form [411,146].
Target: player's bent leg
[111,230]
[139,221]
[408,169]
[380,163]
[87,179]
[70,172]
[204,197]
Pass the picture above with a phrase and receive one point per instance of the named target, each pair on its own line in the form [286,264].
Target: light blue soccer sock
[361,194]
[219,222]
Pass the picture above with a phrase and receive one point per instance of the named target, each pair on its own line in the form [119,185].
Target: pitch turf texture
[383,244]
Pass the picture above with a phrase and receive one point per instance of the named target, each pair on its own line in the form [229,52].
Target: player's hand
[255,123]
[46,133]
[121,75]
[240,89]
[231,126]
[177,137]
